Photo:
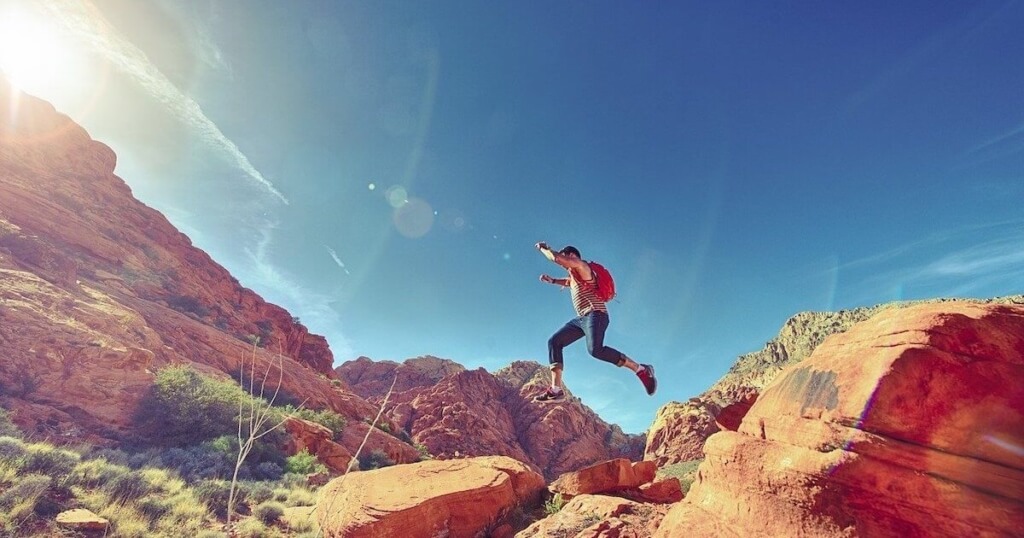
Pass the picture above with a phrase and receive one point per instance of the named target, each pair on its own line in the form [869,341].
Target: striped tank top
[584,295]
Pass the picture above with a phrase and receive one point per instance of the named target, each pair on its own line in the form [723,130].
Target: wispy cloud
[986,259]
[337,260]
[85,21]
[313,307]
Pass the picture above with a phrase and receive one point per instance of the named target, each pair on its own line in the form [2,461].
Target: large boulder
[457,498]
[598,516]
[909,424]
[605,477]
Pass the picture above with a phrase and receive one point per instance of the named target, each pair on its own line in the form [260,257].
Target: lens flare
[397,196]
[414,218]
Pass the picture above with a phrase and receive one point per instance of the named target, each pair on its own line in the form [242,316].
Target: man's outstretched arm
[562,259]
[564,282]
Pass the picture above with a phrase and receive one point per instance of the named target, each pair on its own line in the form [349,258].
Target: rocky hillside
[98,292]
[456,413]
[680,428]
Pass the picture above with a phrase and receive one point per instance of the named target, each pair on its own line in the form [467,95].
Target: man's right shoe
[550,395]
[646,375]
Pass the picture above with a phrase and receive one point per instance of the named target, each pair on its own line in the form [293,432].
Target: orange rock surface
[458,498]
[909,424]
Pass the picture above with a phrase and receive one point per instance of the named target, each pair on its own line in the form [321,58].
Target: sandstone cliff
[681,428]
[456,413]
[99,291]
[909,424]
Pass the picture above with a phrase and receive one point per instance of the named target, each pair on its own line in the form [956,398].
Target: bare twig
[355,457]
[259,415]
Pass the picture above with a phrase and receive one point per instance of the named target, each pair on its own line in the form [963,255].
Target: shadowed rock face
[458,413]
[909,424]
[98,292]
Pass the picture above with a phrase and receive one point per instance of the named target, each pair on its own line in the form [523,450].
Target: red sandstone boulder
[457,498]
[598,516]
[608,476]
[318,441]
[909,424]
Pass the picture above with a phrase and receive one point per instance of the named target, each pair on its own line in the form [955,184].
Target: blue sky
[383,169]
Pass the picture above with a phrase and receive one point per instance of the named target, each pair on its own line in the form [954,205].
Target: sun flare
[32,54]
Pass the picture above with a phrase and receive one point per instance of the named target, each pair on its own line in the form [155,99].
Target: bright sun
[32,54]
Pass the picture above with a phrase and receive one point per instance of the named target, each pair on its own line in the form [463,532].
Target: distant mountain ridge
[456,412]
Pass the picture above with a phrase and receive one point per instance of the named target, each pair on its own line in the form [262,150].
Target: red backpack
[605,282]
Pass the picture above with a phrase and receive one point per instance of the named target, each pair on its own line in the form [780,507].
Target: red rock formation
[98,291]
[605,477]
[468,497]
[680,429]
[459,413]
[599,516]
[909,424]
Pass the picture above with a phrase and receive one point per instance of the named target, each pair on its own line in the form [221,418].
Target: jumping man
[591,321]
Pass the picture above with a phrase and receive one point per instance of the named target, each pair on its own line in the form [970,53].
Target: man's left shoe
[646,375]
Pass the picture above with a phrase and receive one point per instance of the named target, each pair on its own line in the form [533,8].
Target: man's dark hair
[571,250]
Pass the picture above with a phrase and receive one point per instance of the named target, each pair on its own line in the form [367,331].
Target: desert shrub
[376,459]
[300,497]
[258,492]
[125,521]
[27,488]
[268,470]
[153,508]
[43,459]
[554,505]
[7,427]
[188,305]
[11,448]
[424,451]
[210,534]
[303,463]
[268,512]
[127,487]
[686,472]
[111,455]
[214,494]
[92,473]
[185,408]
[324,417]
[254,528]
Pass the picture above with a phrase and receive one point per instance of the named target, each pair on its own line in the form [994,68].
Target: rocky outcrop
[680,429]
[457,413]
[605,477]
[468,497]
[908,424]
[599,516]
[83,520]
[98,292]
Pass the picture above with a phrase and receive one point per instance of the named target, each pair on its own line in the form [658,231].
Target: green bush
[554,505]
[377,459]
[7,427]
[49,461]
[269,512]
[127,487]
[11,448]
[215,494]
[153,508]
[184,407]
[324,417]
[28,488]
[303,463]
[95,472]
[258,492]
